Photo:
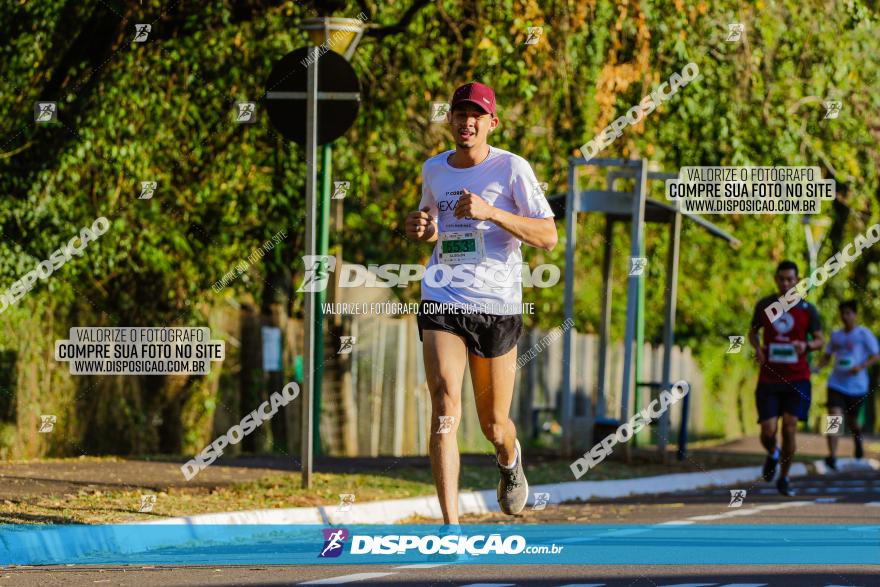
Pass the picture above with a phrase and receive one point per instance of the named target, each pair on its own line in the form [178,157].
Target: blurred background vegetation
[163,111]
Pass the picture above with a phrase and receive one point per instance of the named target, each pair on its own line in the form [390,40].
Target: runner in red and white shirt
[784,389]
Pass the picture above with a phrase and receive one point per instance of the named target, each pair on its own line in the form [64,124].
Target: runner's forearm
[538,232]
[871,360]
[754,338]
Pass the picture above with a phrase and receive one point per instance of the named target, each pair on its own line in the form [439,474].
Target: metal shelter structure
[636,208]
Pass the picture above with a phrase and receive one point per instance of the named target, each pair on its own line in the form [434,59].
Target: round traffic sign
[338,96]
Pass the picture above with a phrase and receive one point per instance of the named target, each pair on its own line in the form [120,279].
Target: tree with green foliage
[163,110]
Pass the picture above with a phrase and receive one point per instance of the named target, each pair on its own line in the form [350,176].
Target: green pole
[640,336]
[323,243]
[812,267]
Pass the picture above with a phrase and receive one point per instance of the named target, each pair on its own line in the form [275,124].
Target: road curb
[481,502]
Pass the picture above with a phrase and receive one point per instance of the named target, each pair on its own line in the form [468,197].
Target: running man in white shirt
[478,204]
[855,349]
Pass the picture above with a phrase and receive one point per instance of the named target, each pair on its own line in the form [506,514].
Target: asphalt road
[848,499]
[471,576]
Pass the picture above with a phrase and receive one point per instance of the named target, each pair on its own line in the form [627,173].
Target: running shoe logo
[340,189]
[438,111]
[445,424]
[147,503]
[534,36]
[47,423]
[318,268]
[141,32]
[832,424]
[832,108]
[735,31]
[541,501]
[736,344]
[45,111]
[333,542]
[148,189]
[346,500]
[737,497]
[346,345]
[246,111]
[637,265]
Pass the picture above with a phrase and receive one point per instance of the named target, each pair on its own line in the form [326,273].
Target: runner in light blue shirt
[854,349]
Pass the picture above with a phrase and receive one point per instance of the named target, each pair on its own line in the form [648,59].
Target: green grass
[283,490]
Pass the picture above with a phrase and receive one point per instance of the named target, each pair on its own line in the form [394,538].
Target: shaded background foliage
[163,111]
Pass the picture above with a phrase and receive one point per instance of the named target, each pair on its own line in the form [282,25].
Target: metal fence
[379,404]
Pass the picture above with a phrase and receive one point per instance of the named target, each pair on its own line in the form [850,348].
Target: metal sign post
[329,102]
[306,447]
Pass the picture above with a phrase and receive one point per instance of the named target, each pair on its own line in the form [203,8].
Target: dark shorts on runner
[775,399]
[848,403]
[485,335]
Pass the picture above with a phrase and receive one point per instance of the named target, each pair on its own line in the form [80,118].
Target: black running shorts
[850,404]
[775,399]
[485,335]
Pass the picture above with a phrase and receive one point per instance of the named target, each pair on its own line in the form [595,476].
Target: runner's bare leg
[493,391]
[445,359]
[768,434]
[832,438]
[789,429]
[852,420]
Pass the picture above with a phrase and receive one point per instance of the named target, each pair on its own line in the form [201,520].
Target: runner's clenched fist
[420,225]
[471,205]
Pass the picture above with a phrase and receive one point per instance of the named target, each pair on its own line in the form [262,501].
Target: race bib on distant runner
[845,362]
[461,247]
[782,353]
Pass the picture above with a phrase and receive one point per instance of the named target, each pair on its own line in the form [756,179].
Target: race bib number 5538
[462,247]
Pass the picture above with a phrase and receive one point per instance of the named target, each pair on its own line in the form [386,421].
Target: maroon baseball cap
[476,93]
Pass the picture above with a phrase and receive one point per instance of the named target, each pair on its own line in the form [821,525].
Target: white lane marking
[577,540]
[873,503]
[745,585]
[826,500]
[583,585]
[347,579]
[422,566]
[677,523]
[750,511]
[489,585]
[691,585]
[624,532]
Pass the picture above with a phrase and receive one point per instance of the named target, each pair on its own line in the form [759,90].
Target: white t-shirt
[489,281]
[850,349]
